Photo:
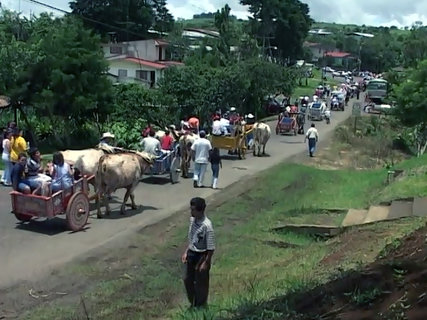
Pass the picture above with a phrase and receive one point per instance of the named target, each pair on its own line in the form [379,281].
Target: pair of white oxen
[112,171]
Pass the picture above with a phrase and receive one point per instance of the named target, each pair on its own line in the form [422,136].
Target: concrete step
[400,209]
[419,207]
[354,217]
[377,213]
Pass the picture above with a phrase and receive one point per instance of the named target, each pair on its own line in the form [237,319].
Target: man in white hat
[107,140]
[250,121]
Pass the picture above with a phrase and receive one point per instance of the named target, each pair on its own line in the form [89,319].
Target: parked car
[328,69]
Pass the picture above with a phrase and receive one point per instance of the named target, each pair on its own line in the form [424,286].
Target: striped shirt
[201,235]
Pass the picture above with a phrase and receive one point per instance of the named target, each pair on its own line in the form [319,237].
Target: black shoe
[311,154]
[195,184]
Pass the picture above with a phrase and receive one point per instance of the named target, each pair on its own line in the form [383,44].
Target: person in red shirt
[147,130]
[194,123]
[167,142]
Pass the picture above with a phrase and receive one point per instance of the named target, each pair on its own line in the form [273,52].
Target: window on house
[116,50]
[123,73]
[141,74]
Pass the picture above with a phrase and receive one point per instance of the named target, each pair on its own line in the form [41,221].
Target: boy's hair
[22,154]
[198,203]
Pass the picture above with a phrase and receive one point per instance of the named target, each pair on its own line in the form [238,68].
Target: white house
[140,61]
[136,70]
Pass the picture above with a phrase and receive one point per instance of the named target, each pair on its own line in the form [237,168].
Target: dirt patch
[393,287]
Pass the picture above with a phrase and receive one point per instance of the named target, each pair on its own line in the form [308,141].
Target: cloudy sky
[370,12]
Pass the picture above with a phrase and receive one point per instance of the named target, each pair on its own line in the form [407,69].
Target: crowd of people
[24,170]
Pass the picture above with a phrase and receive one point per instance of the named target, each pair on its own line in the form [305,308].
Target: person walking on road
[198,254]
[313,136]
[200,149]
[216,163]
[6,178]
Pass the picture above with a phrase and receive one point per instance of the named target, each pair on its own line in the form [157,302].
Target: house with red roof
[339,59]
[142,61]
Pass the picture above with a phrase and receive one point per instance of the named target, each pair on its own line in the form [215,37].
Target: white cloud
[368,12]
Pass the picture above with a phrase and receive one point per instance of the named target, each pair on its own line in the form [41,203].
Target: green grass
[412,183]
[248,270]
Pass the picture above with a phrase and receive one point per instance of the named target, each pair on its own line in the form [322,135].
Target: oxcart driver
[250,121]
[107,140]
[19,182]
[151,145]
[234,117]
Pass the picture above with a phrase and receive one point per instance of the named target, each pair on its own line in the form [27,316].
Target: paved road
[29,250]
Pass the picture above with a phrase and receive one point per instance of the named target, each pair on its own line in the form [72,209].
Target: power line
[83,17]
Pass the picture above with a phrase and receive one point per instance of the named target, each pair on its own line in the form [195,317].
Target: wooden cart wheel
[77,211]
[23,217]
[174,169]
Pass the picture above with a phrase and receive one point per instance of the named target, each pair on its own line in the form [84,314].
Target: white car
[328,69]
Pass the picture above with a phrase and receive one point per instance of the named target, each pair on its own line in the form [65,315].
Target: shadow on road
[49,227]
[292,142]
[159,180]
[115,214]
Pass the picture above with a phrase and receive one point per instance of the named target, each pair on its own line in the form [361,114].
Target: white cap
[232,109]
[107,135]
[250,116]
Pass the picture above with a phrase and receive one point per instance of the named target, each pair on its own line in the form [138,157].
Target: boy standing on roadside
[198,255]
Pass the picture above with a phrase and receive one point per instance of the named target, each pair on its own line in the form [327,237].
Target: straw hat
[106,135]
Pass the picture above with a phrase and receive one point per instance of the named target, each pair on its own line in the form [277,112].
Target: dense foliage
[280,25]
[129,19]
[410,96]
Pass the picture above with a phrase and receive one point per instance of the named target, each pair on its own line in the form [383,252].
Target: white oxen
[85,161]
[117,171]
[262,133]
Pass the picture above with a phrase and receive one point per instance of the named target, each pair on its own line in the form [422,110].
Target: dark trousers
[311,146]
[215,170]
[196,282]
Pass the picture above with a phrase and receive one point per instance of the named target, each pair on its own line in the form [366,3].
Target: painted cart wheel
[174,169]
[23,217]
[77,211]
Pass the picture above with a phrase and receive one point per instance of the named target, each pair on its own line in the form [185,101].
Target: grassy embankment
[252,264]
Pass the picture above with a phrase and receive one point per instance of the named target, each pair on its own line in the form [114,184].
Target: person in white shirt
[313,136]
[151,145]
[217,128]
[225,126]
[200,150]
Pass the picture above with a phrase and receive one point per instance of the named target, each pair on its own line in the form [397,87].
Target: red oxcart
[287,124]
[74,202]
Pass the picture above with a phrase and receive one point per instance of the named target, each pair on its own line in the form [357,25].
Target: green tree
[281,24]
[415,46]
[412,110]
[66,81]
[129,19]
[163,20]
